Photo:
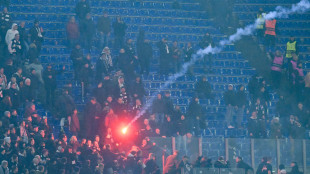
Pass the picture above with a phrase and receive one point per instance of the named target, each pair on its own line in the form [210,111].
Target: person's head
[168,119]
[230,87]
[281,167]
[294,165]
[241,88]
[164,40]
[109,99]
[14,26]
[158,96]
[175,43]
[292,38]
[33,107]
[5,10]
[138,102]
[258,101]
[27,82]
[204,78]
[299,65]
[108,147]
[176,153]
[196,99]
[42,133]
[295,56]
[151,156]
[254,114]
[93,100]
[88,16]
[157,131]
[300,106]
[189,44]
[105,14]
[122,51]
[4,164]
[238,159]
[17,37]
[261,10]
[129,41]
[64,138]
[7,114]
[97,138]
[185,159]
[146,122]
[72,19]
[36,23]
[123,90]
[182,117]
[278,53]
[89,143]
[121,79]
[35,161]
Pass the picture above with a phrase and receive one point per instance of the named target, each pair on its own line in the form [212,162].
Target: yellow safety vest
[290,49]
[261,21]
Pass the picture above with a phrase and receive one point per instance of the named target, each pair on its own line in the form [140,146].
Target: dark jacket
[104,25]
[81,9]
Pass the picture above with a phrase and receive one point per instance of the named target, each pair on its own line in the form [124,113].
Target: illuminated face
[109,99]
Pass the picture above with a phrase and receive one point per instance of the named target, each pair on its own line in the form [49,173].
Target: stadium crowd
[27,142]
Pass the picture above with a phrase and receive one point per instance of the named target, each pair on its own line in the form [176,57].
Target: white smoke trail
[280,12]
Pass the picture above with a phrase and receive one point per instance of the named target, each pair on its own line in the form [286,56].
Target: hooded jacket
[10,34]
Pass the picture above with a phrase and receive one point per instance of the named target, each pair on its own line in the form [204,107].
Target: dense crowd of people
[98,142]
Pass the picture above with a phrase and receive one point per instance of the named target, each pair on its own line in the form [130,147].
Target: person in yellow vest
[291,48]
[270,34]
[260,26]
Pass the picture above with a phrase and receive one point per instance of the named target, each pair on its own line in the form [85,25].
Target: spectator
[255,126]
[221,163]
[145,56]
[295,169]
[73,33]
[87,30]
[32,53]
[270,34]
[27,92]
[196,115]
[150,165]
[36,35]
[188,52]
[184,165]
[92,115]
[203,88]
[229,97]
[176,57]
[104,29]
[281,169]
[119,28]
[171,163]
[264,167]
[81,9]
[275,128]
[4,167]
[137,89]
[74,122]
[104,64]
[260,26]
[158,108]
[291,48]
[242,165]
[241,101]
[164,56]
[11,34]
[125,64]
[6,22]
[294,128]
[207,59]
[130,51]
[50,84]
[23,36]
[276,69]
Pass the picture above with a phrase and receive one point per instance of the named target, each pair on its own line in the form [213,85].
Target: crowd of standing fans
[27,140]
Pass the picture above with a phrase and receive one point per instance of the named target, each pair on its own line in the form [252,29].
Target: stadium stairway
[158,19]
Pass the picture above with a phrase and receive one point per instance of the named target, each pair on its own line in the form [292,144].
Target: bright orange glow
[124,130]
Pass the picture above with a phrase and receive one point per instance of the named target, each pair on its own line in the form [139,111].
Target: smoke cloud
[279,12]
